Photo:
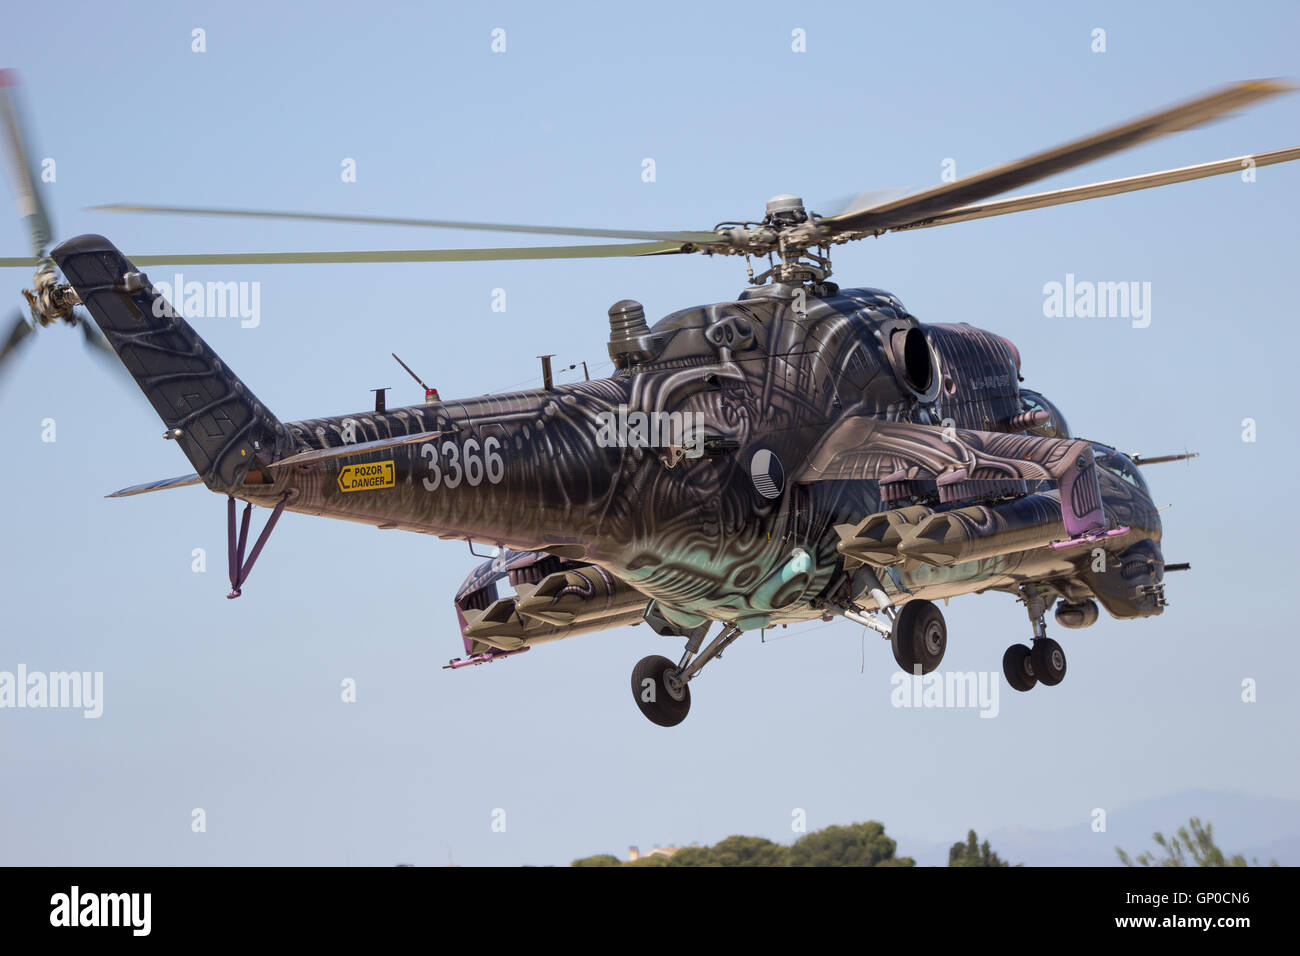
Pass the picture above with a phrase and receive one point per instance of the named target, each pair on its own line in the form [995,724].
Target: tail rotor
[49,301]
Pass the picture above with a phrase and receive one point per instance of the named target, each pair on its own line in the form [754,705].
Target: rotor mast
[792,261]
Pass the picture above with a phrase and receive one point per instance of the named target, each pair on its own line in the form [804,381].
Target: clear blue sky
[234,706]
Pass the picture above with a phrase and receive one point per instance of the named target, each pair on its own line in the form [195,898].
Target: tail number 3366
[454,462]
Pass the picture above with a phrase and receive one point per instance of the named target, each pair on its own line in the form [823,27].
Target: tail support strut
[239,568]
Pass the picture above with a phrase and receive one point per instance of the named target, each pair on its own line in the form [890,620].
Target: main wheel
[1018,666]
[919,637]
[661,697]
[1049,661]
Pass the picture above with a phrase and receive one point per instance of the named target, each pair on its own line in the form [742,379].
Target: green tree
[1192,845]
[972,853]
[734,851]
[695,856]
[650,860]
[858,844]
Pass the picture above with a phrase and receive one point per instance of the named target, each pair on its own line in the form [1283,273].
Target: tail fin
[219,424]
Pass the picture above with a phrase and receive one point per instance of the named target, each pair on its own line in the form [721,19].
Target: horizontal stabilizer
[159,485]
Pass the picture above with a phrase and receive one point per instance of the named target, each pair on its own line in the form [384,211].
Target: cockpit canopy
[1054,427]
[1119,464]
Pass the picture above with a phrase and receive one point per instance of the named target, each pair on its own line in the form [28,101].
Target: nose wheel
[1018,667]
[1049,662]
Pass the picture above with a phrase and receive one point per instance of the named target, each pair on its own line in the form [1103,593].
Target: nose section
[1131,583]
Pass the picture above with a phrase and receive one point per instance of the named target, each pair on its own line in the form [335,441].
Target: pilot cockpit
[1056,426]
[1119,465]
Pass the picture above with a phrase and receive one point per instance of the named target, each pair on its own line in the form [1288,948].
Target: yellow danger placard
[368,477]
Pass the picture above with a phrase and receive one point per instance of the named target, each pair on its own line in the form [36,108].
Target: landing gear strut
[660,687]
[1044,663]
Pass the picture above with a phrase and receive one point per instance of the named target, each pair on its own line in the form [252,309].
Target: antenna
[409,372]
[430,394]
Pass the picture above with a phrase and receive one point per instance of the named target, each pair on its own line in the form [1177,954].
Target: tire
[1049,662]
[663,707]
[1018,668]
[919,637]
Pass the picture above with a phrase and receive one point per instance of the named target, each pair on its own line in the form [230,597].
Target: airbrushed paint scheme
[751,533]
[801,452]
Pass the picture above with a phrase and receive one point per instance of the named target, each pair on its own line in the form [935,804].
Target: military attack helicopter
[801,452]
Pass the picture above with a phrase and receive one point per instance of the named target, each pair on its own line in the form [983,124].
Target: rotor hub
[51,300]
[785,210]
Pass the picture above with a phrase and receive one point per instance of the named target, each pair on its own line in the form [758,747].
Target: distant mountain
[1266,828]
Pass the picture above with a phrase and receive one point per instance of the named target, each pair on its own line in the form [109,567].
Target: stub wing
[553,598]
[959,464]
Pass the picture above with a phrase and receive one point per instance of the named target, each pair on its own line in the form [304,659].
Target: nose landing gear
[1049,662]
[1018,667]
[1044,663]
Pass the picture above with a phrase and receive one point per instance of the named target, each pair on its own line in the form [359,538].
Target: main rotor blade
[423,223]
[998,179]
[859,202]
[418,255]
[1111,187]
[22,173]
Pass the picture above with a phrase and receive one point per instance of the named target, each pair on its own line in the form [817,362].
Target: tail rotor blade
[95,339]
[19,332]
[98,347]
[22,172]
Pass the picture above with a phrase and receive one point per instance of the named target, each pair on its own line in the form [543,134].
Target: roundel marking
[766,472]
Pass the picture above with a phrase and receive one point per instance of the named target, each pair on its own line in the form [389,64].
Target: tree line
[865,844]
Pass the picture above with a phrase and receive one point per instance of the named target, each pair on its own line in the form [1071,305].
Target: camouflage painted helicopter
[801,452]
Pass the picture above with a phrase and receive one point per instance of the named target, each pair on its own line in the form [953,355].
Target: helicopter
[801,452]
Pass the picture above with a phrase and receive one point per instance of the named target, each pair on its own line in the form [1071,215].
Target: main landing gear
[917,633]
[919,637]
[660,687]
[1044,663]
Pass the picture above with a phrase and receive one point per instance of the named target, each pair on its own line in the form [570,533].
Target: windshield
[1056,426]
[1119,465]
